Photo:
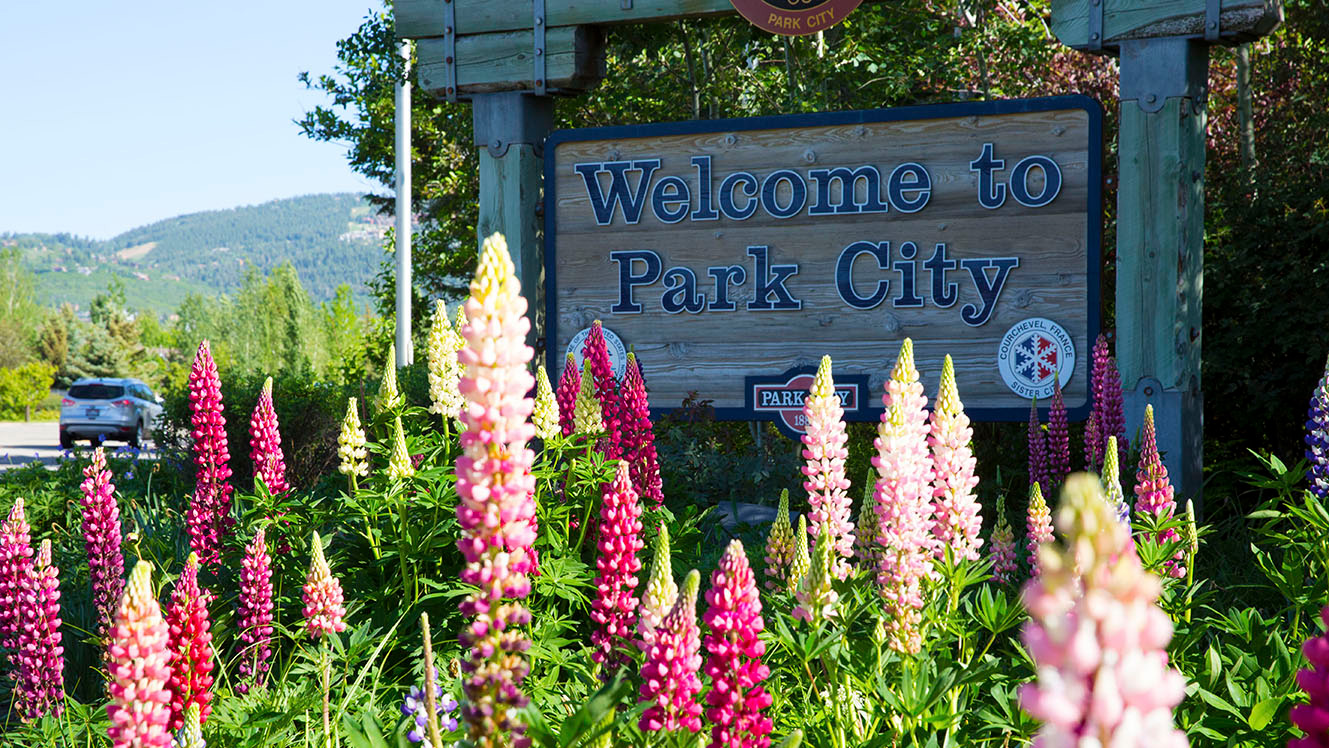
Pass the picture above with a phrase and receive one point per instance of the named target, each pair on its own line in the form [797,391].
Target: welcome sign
[731,255]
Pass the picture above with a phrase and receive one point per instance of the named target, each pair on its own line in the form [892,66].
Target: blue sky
[116,114]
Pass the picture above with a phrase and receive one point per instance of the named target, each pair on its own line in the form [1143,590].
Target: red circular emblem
[794,17]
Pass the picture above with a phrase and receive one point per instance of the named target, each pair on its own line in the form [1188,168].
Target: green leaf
[1263,713]
[793,740]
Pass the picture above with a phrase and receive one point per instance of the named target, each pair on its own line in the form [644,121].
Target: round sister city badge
[1033,355]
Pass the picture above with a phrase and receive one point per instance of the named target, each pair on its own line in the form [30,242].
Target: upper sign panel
[732,253]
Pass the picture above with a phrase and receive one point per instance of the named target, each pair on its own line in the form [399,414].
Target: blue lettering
[989,289]
[944,294]
[670,199]
[727,196]
[848,180]
[705,209]
[908,297]
[627,280]
[619,192]
[991,193]
[681,296]
[723,277]
[1020,181]
[919,182]
[798,193]
[844,273]
[770,280]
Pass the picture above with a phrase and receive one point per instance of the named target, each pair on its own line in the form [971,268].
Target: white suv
[100,409]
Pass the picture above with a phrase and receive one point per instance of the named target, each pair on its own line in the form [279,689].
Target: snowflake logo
[1036,358]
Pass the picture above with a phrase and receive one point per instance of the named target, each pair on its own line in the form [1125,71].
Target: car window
[96,391]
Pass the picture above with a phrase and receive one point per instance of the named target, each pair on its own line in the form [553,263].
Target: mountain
[330,239]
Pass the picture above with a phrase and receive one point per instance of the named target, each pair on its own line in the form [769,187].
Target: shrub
[23,387]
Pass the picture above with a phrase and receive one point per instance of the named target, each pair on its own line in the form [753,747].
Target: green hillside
[330,239]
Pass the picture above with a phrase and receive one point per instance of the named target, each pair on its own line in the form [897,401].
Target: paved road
[21,443]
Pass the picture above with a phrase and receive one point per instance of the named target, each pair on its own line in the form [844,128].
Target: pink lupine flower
[569,384]
[956,522]
[265,445]
[208,517]
[904,511]
[615,604]
[1002,547]
[191,646]
[733,655]
[1058,440]
[101,539]
[824,454]
[1038,457]
[255,615]
[779,545]
[670,683]
[40,688]
[1109,411]
[1095,441]
[138,664]
[1097,636]
[594,352]
[322,596]
[638,437]
[496,507]
[1153,491]
[1313,718]
[660,594]
[15,566]
[1038,527]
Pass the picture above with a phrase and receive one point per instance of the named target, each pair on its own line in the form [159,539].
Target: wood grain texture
[487,63]
[712,351]
[1240,20]
[422,18]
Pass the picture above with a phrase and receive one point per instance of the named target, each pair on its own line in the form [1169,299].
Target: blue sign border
[1093,209]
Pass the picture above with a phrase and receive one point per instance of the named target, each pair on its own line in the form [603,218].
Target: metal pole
[405,356]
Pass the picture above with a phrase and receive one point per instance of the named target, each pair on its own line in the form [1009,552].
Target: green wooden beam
[417,19]
[1239,20]
[487,63]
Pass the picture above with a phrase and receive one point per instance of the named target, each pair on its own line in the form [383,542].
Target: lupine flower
[416,706]
[40,687]
[444,369]
[779,544]
[1093,445]
[255,615]
[816,596]
[400,466]
[660,593]
[865,531]
[15,567]
[388,398]
[801,560]
[824,454]
[351,444]
[1038,528]
[638,437]
[190,645]
[1109,411]
[191,734]
[904,511]
[596,356]
[956,521]
[734,651]
[1101,653]
[545,415]
[1002,548]
[1038,450]
[587,413]
[1317,438]
[1111,479]
[265,444]
[1058,440]
[1153,490]
[101,539]
[138,664]
[670,682]
[615,604]
[1190,531]
[1313,718]
[208,518]
[1095,441]
[496,507]
[569,386]
[324,612]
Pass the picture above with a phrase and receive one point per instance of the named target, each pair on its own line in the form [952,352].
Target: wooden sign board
[732,254]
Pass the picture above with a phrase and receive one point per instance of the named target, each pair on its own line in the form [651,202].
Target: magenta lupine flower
[15,566]
[670,682]
[638,437]
[1100,643]
[101,539]
[1153,491]
[956,521]
[733,654]
[606,389]
[824,455]
[1058,440]
[615,604]
[1094,440]
[1038,527]
[1002,547]
[324,612]
[1317,437]
[569,384]
[190,642]
[1038,450]
[1313,718]
[1109,408]
[904,509]
[1093,445]
[138,664]
[208,517]
[496,507]
[265,445]
[40,687]
[255,615]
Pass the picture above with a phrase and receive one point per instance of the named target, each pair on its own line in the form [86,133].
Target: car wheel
[66,441]
[136,438]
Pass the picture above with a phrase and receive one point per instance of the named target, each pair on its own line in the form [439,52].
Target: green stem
[326,669]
